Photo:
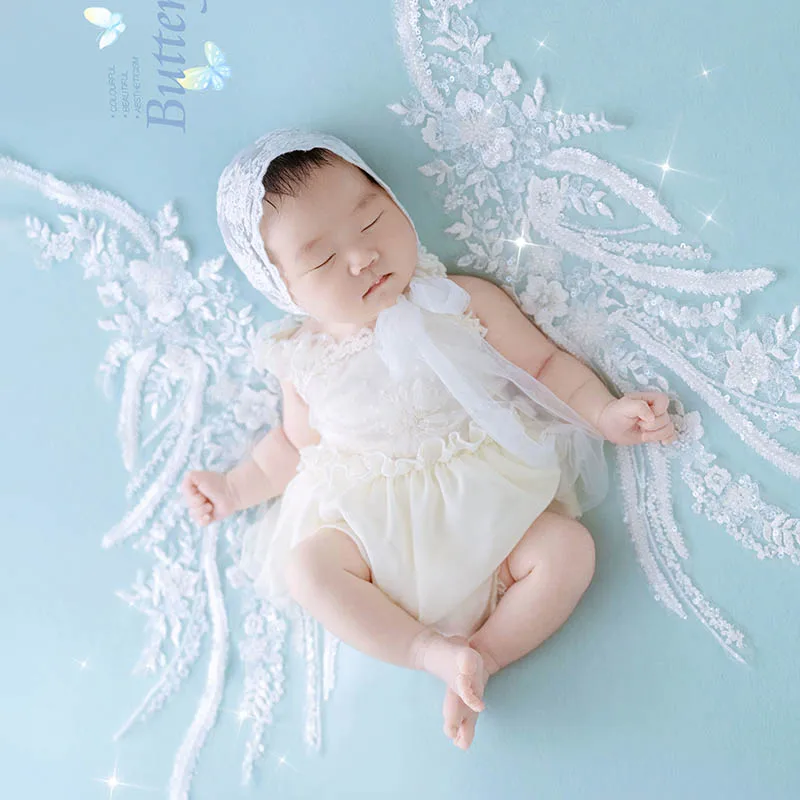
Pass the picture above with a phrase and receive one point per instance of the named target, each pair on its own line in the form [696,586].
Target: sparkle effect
[284,762]
[705,72]
[113,783]
[521,242]
[241,715]
[665,166]
[543,43]
[560,110]
[709,216]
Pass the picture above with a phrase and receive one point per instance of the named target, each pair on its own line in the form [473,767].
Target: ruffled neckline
[366,334]
[365,337]
[332,348]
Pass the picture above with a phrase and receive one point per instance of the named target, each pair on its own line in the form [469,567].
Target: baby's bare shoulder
[509,330]
[296,418]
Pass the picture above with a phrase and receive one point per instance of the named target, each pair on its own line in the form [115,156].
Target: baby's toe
[453,713]
[466,733]
[466,690]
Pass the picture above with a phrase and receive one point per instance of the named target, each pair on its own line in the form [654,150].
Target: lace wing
[529,205]
[184,350]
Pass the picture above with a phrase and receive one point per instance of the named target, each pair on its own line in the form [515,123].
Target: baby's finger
[652,436]
[657,401]
[660,403]
[658,423]
[634,408]
[197,500]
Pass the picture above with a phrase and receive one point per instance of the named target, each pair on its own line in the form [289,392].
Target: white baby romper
[433,503]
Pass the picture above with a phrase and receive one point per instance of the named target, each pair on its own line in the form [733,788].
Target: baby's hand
[208,496]
[636,418]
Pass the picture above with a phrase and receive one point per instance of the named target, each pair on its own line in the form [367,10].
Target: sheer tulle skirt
[433,529]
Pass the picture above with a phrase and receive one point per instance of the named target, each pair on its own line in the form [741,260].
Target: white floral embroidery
[717,479]
[165,283]
[477,122]
[544,299]
[255,409]
[110,294]
[506,80]
[749,366]
[545,201]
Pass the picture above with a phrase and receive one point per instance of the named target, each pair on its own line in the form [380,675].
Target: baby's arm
[265,474]
[635,418]
[273,462]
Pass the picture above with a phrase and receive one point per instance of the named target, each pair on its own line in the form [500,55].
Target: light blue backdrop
[627,701]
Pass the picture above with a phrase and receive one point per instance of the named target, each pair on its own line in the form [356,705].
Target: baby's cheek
[333,295]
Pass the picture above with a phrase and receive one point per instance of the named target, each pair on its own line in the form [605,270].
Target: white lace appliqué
[607,307]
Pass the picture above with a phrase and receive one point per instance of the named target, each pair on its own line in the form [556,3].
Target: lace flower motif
[506,80]
[749,366]
[165,282]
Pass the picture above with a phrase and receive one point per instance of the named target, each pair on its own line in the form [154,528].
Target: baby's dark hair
[289,172]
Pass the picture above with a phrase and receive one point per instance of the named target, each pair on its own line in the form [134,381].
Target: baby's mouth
[377,283]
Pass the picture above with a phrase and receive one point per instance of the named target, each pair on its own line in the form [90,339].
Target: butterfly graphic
[200,78]
[103,18]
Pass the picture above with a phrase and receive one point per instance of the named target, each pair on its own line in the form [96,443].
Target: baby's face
[335,240]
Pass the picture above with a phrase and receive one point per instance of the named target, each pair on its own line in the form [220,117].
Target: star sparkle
[113,782]
[666,166]
[560,112]
[284,762]
[710,217]
[543,43]
[705,72]
[521,242]
[241,715]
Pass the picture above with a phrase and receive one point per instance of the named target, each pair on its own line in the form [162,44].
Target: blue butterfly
[103,18]
[214,75]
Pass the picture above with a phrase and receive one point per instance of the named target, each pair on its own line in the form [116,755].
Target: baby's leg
[328,577]
[548,571]
[550,568]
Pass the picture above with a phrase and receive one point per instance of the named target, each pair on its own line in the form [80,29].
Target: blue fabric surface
[627,701]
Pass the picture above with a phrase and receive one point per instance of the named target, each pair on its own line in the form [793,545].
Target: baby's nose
[358,265]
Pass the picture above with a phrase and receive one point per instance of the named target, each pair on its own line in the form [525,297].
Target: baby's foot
[456,663]
[459,720]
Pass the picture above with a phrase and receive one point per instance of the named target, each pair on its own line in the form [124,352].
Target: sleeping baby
[435,448]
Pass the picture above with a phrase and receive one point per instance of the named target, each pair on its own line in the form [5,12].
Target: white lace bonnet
[239,205]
